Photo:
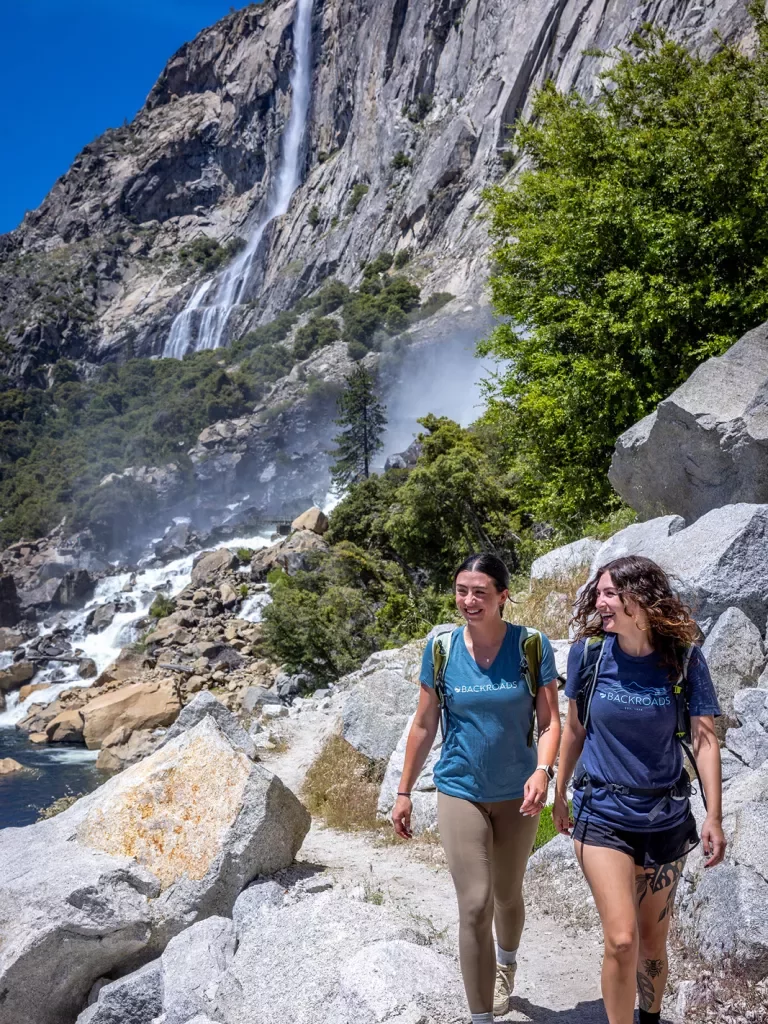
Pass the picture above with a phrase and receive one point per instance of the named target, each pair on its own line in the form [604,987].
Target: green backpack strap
[441,652]
[531,654]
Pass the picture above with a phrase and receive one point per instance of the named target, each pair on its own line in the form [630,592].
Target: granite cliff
[411,113]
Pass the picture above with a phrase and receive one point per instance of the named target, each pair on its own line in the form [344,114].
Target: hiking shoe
[505,984]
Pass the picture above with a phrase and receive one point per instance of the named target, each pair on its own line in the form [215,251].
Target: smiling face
[477,598]
[616,618]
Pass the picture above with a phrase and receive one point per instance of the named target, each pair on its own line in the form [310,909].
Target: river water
[57,770]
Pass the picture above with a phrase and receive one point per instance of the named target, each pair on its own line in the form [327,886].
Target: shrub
[244,555]
[355,197]
[162,606]
[313,217]
[342,786]
[357,350]
[402,257]
[316,333]
[400,160]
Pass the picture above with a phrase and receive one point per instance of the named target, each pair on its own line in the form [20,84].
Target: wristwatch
[546,768]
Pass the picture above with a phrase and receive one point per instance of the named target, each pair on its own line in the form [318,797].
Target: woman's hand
[535,794]
[713,841]
[401,817]
[561,815]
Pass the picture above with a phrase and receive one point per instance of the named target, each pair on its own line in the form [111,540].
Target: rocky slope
[410,118]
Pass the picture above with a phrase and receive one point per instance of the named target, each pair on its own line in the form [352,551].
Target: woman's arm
[706,750]
[420,740]
[548,721]
[570,752]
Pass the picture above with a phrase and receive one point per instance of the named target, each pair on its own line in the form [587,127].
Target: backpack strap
[441,652]
[531,655]
[682,693]
[591,659]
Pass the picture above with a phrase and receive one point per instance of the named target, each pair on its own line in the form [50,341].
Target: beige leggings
[487,847]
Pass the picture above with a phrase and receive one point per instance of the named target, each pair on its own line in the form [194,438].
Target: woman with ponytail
[637,684]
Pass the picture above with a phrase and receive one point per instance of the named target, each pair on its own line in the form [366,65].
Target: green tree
[634,247]
[362,417]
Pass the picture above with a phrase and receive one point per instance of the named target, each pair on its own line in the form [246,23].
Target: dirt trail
[559,975]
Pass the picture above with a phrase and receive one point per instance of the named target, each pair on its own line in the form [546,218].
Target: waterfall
[202,324]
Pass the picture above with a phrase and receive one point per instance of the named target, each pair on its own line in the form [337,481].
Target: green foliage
[433,303]
[244,555]
[355,196]
[362,419]
[316,333]
[419,109]
[162,606]
[400,160]
[208,254]
[379,305]
[313,217]
[634,247]
[402,257]
[546,830]
[243,590]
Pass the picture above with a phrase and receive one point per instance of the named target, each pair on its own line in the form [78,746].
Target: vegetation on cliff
[633,248]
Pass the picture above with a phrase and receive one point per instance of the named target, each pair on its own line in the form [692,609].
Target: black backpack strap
[589,670]
[682,693]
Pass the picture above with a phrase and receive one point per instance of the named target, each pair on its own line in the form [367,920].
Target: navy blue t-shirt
[631,734]
[486,756]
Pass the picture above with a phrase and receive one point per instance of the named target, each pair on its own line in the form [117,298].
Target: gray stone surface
[203,704]
[725,914]
[382,699]
[193,964]
[336,958]
[170,840]
[135,999]
[707,444]
[255,696]
[749,743]
[424,794]
[735,655]
[637,539]
[718,562]
[563,562]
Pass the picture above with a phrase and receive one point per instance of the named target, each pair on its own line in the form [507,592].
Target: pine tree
[363,418]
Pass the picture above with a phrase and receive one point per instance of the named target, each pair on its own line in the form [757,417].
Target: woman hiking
[634,677]
[491,779]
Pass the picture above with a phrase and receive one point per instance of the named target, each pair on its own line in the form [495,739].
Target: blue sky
[71,68]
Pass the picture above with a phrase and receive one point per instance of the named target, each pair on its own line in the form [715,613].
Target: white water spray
[200,325]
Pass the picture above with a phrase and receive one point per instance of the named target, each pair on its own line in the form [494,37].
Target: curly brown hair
[672,626]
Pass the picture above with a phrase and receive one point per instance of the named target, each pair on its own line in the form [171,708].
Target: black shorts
[645,848]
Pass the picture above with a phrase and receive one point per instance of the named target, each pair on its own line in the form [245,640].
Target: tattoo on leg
[645,991]
[658,877]
[653,968]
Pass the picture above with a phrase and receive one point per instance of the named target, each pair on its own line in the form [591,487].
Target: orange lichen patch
[172,811]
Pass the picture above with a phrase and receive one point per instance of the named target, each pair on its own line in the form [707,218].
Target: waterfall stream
[202,324]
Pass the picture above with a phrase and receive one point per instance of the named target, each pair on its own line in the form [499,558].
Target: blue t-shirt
[631,735]
[485,756]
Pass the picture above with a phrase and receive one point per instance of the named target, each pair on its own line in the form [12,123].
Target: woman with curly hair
[635,674]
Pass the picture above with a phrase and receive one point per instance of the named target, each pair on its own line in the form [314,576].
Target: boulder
[9,639]
[101,617]
[10,606]
[423,792]
[135,706]
[553,873]
[168,629]
[290,554]
[135,999]
[706,445]
[66,727]
[193,967]
[210,565]
[735,654]
[313,519]
[106,884]
[16,675]
[66,592]
[127,664]
[177,540]
[29,688]
[719,562]
[255,696]
[381,702]
[228,595]
[123,747]
[206,704]
[333,957]
[749,743]
[565,561]
[637,539]
[9,767]
[87,668]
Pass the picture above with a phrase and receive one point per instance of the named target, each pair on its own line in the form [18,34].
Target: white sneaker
[505,984]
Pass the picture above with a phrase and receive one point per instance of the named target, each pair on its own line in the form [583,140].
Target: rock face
[381,701]
[707,444]
[290,554]
[735,654]
[707,559]
[424,793]
[136,706]
[313,519]
[566,560]
[438,82]
[169,841]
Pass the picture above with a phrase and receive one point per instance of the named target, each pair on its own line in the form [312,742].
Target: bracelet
[403,794]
